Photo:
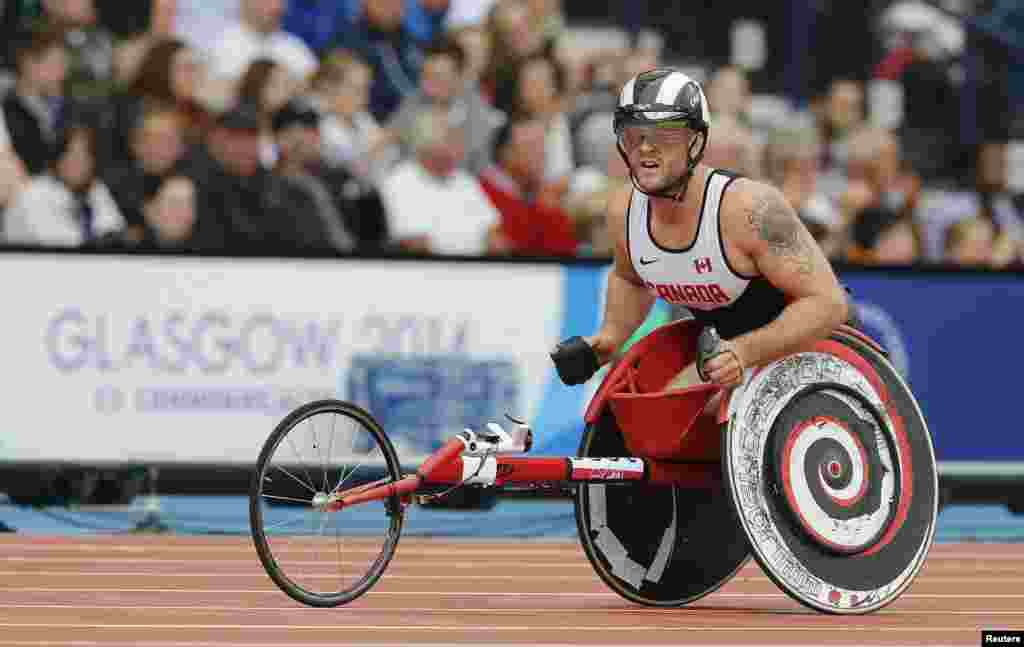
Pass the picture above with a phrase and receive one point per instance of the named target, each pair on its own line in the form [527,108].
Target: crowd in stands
[462,127]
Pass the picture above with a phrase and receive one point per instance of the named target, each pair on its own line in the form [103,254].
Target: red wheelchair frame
[673,435]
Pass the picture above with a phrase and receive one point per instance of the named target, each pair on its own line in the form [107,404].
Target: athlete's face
[657,154]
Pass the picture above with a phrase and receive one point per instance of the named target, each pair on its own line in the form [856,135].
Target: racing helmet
[664,96]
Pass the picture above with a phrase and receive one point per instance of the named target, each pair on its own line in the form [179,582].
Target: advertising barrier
[176,359]
[135,359]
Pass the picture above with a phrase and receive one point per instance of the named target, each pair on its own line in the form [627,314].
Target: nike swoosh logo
[644,261]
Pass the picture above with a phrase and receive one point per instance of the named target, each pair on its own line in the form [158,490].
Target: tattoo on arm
[772,220]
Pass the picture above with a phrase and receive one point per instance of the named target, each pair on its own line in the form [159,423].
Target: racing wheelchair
[818,465]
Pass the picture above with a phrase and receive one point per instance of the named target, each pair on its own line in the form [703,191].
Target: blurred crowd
[469,127]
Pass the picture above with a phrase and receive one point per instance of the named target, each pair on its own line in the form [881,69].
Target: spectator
[67,206]
[645,55]
[513,40]
[839,113]
[729,93]
[587,206]
[296,130]
[594,109]
[259,35]
[244,206]
[157,146]
[441,87]
[435,207]
[874,161]
[880,236]
[791,159]
[380,38]
[90,48]
[476,47]
[514,184]
[170,75]
[350,135]
[733,147]
[930,101]
[970,243]
[170,216]
[269,87]
[988,197]
[34,110]
[536,93]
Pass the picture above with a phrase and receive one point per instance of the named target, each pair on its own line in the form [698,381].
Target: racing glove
[575,361]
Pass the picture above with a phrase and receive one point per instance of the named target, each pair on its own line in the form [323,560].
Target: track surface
[173,591]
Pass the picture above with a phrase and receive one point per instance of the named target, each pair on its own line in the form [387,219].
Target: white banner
[172,359]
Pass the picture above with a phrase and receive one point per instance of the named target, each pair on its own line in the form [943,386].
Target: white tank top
[699,276]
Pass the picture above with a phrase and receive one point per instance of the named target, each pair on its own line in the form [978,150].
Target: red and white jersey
[699,276]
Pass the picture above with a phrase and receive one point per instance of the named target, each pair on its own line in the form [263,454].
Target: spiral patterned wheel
[836,471]
[830,467]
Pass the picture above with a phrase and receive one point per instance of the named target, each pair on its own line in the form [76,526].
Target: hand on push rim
[725,368]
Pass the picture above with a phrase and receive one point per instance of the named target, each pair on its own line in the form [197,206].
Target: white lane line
[439,551]
[295,576]
[477,593]
[477,628]
[939,553]
[489,564]
[390,575]
[464,610]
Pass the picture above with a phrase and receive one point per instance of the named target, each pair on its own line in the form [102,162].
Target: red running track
[170,591]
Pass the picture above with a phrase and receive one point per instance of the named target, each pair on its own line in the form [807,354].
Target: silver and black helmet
[665,96]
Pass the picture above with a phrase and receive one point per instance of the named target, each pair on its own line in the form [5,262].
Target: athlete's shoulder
[749,205]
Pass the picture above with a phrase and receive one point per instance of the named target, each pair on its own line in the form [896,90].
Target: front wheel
[321,558]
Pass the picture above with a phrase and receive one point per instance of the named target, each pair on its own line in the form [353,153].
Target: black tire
[709,547]
[390,469]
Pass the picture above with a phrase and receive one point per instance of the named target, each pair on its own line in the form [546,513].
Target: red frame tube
[447,467]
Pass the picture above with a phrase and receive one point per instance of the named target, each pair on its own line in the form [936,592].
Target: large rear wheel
[661,546]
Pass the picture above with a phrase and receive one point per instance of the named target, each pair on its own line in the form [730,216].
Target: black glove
[707,347]
[575,361]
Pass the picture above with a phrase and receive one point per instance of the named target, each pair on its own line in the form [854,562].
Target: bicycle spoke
[358,465]
[330,450]
[299,456]
[337,542]
[323,461]
[311,427]
[296,478]
[285,498]
[351,452]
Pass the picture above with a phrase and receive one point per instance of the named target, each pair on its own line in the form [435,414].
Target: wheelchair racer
[728,248]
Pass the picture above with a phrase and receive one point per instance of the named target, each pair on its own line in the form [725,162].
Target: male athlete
[728,248]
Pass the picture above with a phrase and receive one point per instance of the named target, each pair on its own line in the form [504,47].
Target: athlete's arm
[765,229]
[627,302]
